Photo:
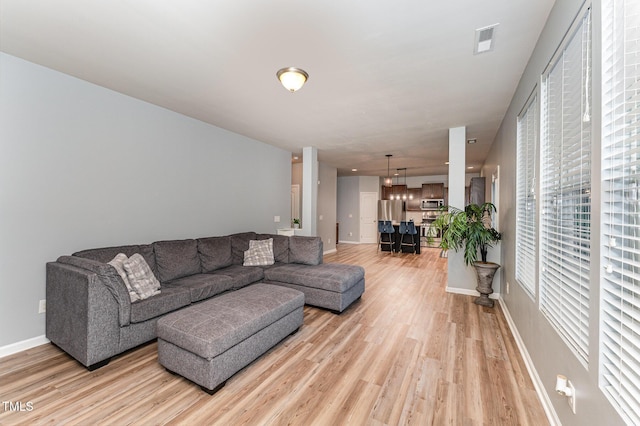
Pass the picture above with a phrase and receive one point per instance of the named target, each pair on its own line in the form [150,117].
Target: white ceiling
[385,76]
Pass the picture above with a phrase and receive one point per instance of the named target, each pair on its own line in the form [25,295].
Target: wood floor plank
[407,353]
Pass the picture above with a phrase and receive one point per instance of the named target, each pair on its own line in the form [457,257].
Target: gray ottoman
[210,341]
[332,286]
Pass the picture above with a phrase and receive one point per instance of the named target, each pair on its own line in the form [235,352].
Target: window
[620,278]
[565,189]
[526,247]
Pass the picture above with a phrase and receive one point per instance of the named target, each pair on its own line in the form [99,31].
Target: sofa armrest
[82,314]
[110,278]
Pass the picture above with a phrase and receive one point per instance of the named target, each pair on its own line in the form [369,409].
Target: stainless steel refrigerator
[392,210]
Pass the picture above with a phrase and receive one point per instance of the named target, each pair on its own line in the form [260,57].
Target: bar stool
[408,228]
[385,227]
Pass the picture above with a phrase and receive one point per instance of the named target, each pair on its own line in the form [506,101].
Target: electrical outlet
[276,219]
[571,398]
[42,306]
[351,234]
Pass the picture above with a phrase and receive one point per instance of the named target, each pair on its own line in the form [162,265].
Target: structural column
[309,191]
[460,278]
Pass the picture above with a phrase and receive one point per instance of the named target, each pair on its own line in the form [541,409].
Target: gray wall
[349,189]
[549,354]
[82,166]
[349,208]
[326,229]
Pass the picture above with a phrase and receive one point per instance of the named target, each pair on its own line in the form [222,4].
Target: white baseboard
[348,242]
[23,345]
[329,251]
[552,416]
[468,292]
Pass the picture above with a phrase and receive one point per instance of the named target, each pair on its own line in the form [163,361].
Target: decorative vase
[485,272]
[296,226]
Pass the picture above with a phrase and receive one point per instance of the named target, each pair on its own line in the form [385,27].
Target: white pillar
[457,166]
[460,278]
[309,191]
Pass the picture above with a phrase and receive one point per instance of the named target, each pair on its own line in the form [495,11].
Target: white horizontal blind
[565,228]
[526,247]
[620,279]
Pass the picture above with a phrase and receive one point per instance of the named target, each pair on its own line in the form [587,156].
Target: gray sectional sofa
[90,314]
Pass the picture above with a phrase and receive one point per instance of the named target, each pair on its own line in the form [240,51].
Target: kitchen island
[396,239]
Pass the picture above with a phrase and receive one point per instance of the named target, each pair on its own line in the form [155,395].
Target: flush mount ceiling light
[292,78]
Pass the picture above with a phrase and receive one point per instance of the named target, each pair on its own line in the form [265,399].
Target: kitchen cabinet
[395,191]
[433,190]
[389,192]
[413,204]
[386,192]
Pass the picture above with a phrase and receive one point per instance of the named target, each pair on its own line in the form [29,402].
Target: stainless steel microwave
[431,203]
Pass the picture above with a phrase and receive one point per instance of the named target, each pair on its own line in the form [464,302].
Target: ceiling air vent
[485,39]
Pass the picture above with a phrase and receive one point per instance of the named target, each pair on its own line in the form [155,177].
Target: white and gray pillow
[260,253]
[141,277]
[118,263]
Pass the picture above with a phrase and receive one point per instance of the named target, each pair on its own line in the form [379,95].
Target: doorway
[368,217]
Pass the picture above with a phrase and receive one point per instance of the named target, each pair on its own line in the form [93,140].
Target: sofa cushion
[327,276]
[169,299]
[176,259]
[240,244]
[105,254]
[305,250]
[280,246]
[241,276]
[118,263]
[260,253]
[215,253]
[203,286]
[140,276]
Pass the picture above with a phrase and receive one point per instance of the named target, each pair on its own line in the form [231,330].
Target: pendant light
[388,182]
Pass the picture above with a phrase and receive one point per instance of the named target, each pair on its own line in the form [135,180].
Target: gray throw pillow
[141,277]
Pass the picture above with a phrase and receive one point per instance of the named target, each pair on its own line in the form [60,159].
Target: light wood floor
[407,353]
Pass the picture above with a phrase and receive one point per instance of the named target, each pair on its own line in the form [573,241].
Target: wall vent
[485,39]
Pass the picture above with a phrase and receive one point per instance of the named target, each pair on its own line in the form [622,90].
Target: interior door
[368,217]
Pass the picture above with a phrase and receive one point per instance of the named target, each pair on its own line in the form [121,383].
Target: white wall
[549,354]
[82,166]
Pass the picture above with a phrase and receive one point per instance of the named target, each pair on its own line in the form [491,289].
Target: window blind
[526,247]
[565,189]
[620,278]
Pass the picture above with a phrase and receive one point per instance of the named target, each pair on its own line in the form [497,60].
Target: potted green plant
[296,223]
[470,230]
